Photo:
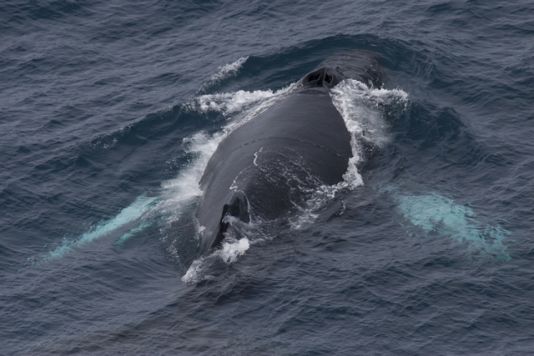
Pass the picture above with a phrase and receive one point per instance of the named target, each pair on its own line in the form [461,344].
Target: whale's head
[361,65]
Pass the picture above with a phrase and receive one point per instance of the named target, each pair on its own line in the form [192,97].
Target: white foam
[256,154]
[179,192]
[304,218]
[229,103]
[195,272]
[362,109]
[229,252]
[235,244]
[227,70]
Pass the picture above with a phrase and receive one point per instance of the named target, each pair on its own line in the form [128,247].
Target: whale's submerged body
[271,165]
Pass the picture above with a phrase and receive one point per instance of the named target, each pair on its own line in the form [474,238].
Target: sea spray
[227,70]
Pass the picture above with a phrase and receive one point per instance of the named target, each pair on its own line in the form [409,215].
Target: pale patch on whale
[133,232]
[435,213]
[129,215]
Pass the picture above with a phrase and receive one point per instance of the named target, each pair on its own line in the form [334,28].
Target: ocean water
[110,110]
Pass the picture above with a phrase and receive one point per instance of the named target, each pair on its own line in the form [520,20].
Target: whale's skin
[272,164]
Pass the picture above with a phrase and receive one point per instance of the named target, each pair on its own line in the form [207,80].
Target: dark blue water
[103,133]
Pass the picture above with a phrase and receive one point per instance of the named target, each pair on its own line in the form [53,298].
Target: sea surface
[109,111]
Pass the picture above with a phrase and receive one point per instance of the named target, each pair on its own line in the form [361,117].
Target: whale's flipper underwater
[269,166]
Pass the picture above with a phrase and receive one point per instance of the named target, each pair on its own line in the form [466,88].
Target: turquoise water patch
[130,214]
[436,213]
[128,235]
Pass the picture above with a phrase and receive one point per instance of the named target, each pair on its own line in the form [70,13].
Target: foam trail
[433,212]
[141,206]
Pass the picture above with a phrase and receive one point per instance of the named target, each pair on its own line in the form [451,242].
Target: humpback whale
[269,166]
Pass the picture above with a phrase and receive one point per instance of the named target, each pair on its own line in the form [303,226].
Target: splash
[228,253]
[231,250]
[435,213]
[234,102]
[129,215]
[179,193]
[227,70]
[235,244]
[362,109]
[195,272]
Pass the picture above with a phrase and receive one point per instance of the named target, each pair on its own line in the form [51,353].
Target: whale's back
[275,159]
